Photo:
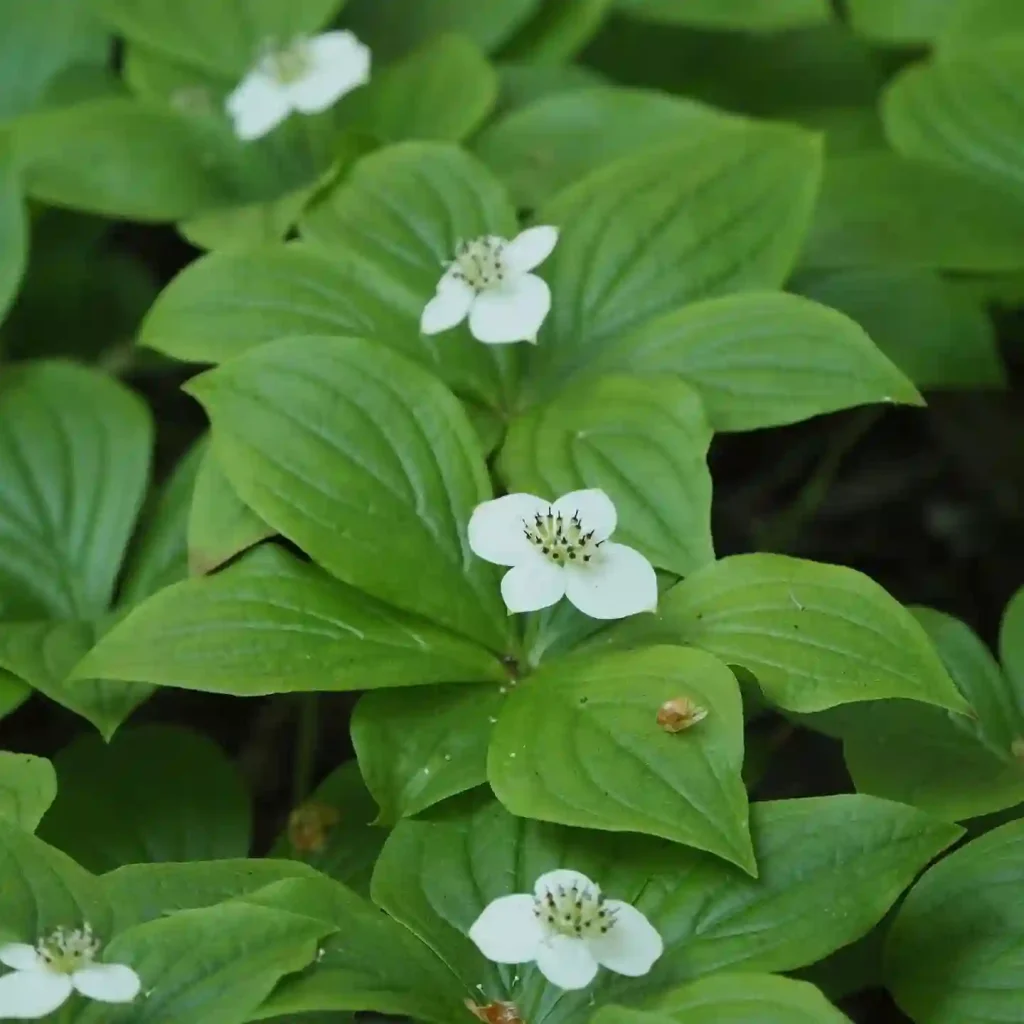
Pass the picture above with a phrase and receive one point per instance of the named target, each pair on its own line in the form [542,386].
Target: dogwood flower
[490,282]
[568,929]
[562,549]
[45,975]
[308,77]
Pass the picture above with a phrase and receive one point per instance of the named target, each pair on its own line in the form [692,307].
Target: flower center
[289,65]
[574,912]
[479,262]
[66,952]
[561,541]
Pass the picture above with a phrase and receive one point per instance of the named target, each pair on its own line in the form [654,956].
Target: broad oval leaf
[814,635]
[648,233]
[367,463]
[954,952]
[28,786]
[644,442]
[579,743]
[273,624]
[74,460]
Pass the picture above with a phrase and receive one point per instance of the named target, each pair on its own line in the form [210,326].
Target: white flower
[568,928]
[309,76]
[45,975]
[490,282]
[562,549]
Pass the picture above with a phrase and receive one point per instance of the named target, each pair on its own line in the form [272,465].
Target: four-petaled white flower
[308,77]
[568,929]
[490,282]
[44,976]
[562,549]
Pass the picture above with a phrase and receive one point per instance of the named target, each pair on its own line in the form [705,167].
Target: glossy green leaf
[649,233]
[274,624]
[13,231]
[745,15]
[368,464]
[938,336]
[580,744]
[560,29]
[814,635]
[417,747]
[761,359]
[74,459]
[156,793]
[27,787]
[220,524]
[894,211]
[644,442]
[954,952]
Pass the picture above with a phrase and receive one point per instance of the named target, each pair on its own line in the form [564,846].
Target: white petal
[27,995]
[449,306]
[496,528]
[513,312]
[565,962]
[339,64]
[529,248]
[632,944]
[21,956]
[507,931]
[258,105]
[595,510]
[532,585]
[110,983]
[564,877]
[617,582]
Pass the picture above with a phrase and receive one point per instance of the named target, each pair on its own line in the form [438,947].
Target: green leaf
[900,21]
[1011,644]
[43,655]
[522,84]
[938,336]
[559,30]
[13,231]
[27,787]
[736,15]
[220,524]
[214,965]
[643,441]
[417,747]
[218,35]
[74,458]
[969,22]
[814,635]
[647,234]
[273,624]
[156,793]
[333,830]
[368,464]
[580,744]
[761,359]
[954,952]
[44,889]
[880,208]
[13,693]
[443,90]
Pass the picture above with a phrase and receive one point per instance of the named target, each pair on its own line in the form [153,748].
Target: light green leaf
[27,787]
[759,360]
[332,830]
[13,693]
[559,30]
[814,635]
[368,464]
[954,952]
[443,90]
[900,21]
[580,744]
[221,36]
[44,889]
[156,793]
[643,441]
[970,22]
[937,335]
[220,524]
[523,84]
[43,655]
[647,234]
[880,208]
[417,747]
[74,458]
[273,624]
[741,15]
[1011,644]
[13,230]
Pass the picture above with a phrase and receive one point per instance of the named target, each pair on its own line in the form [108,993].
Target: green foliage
[27,788]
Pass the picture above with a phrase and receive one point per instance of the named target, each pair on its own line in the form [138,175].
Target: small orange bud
[680,713]
[495,1013]
[308,826]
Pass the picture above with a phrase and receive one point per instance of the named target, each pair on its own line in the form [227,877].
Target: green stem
[306,739]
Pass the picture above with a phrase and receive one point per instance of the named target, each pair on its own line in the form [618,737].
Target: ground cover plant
[511,510]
